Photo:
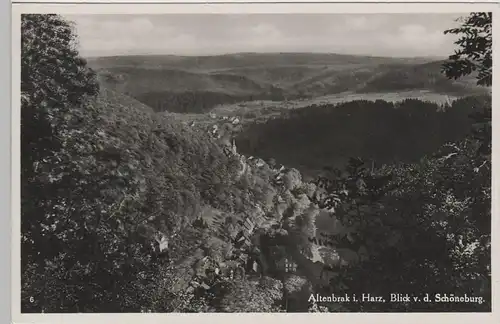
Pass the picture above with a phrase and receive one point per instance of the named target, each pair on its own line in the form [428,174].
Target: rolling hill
[126,210]
[197,84]
[241,60]
[327,135]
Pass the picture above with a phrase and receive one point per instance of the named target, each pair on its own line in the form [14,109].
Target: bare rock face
[253,296]
[273,286]
[297,289]
[162,242]
[295,284]
[308,188]
[301,204]
[292,179]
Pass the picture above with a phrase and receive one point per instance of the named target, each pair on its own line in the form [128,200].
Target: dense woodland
[314,137]
[127,210]
[185,91]
[197,84]
[198,101]
[423,76]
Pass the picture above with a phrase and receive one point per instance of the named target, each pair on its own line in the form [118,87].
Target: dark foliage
[422,76]
[198,101]
[313,137]
[427,233]
[433,218]
[196,84]
[106,181]
[102,179]
[475,48]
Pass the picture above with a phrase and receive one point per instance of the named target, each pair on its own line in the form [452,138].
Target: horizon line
[264,53]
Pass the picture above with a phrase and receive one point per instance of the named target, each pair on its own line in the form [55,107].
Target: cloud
[358,23]
[263,35]
[141,25]
[127,35]
[372,34]
[265,30]
[415,39]
[412,30]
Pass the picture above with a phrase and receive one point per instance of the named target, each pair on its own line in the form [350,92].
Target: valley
[200,84]
[252,88]
[301,110]
[315,114]
[247,182]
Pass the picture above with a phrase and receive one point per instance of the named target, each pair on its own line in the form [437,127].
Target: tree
[434,223]
[475,48]
[253,296]
[475,54]
[101,178]
[80,250]
[431,233]
[54,80]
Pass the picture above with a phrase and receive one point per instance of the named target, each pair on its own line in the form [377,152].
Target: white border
[243,1]
[246,8]
[235,8]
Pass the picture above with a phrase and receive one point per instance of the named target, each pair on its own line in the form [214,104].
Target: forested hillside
[244,60]
[127,210]
[421,76]
[317,136]
[197,84]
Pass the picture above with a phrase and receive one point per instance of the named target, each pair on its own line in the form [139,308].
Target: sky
[394,35]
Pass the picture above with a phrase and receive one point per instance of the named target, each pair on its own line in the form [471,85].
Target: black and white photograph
[255,162]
